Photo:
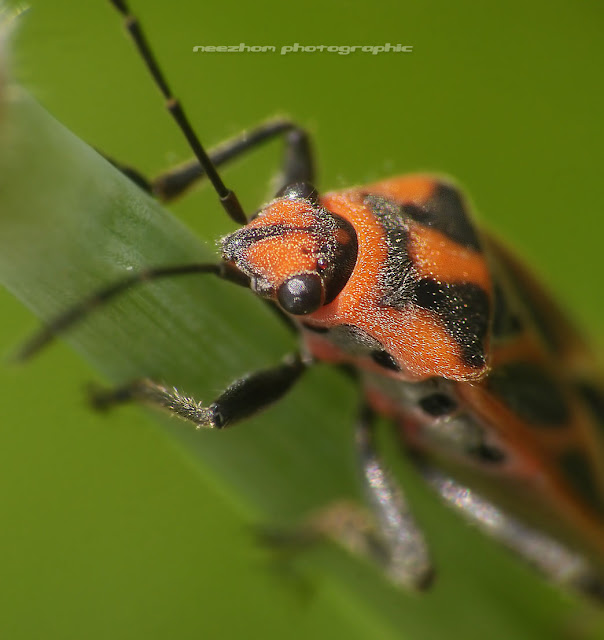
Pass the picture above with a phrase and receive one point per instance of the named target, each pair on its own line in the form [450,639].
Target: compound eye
[301,294]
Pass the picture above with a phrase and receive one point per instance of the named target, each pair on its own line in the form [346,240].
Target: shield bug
[446,333]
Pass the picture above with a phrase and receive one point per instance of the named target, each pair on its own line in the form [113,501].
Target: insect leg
[406,557]
[554,560]
[385,532]
[297,163]
[244,397]
[73,315]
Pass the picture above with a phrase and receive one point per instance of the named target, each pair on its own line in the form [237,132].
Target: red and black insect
[446,333]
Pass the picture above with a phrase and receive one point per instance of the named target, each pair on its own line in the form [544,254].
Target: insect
[446,334]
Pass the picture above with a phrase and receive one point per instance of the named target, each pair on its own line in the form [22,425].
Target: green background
[109,529]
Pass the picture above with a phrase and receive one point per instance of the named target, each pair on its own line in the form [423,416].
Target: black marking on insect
[531,393]
[384,359]
[446,212]
[438,404]
[577,469]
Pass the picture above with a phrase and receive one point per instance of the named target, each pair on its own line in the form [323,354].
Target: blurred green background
[109,530]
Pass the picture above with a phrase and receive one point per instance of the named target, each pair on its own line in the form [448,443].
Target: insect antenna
[228,199]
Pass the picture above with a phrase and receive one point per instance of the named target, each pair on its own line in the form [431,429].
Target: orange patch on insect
[372,248]
[290,213]
[430,349]
[417,340]
[279,257]
[291,251]
[436,256]
[415,189]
